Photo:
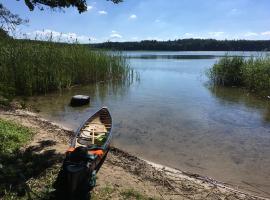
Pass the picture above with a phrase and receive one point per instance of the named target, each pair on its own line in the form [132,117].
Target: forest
[188,45]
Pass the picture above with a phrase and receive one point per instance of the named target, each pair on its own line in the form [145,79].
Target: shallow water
[173,117]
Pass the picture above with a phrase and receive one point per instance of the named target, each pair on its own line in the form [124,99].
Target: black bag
[76,178]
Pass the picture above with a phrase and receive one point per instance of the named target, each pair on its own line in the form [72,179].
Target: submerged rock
[79,100]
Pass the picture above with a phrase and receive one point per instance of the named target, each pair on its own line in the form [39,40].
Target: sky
[135,20]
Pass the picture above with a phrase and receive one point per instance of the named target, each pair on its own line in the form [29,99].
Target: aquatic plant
[227,71]
[32,67]
[252,73]
[256,75]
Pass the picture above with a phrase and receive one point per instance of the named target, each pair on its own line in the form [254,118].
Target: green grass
[133,194]
[103,193]
[12,136]
[32,67]
[252,73]
[17,166]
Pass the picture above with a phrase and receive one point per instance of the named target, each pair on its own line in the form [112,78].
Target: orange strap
[96,152]
[70,149]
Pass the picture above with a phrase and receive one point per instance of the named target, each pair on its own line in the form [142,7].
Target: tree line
[188,45]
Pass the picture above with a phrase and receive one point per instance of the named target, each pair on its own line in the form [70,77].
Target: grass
[12,136]
[133,194]
[18,166]
[32,67]
[252,73]
[109,192]
[41,187]
[103,193]
[22,171]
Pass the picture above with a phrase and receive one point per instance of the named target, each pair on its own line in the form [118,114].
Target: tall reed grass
[252,73]
[31,67]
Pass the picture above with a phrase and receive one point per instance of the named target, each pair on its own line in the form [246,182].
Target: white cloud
[250,34]
[133,16]
[216,34]
[157,20]
[48,34]
[155,38]
[89,8]
[102,12]
[265,33]
[115,36]
[188,35]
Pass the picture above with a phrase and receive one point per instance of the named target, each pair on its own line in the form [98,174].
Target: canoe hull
[85,157]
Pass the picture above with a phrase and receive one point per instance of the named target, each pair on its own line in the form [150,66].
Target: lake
[172,116]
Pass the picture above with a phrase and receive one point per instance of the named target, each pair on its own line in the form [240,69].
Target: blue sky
[135,20]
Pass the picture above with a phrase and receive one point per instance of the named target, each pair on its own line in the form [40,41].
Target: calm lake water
[171,116]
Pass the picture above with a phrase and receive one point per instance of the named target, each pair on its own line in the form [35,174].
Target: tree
[8,20]
[81,5]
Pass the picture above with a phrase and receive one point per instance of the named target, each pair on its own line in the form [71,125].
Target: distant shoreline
[187,45]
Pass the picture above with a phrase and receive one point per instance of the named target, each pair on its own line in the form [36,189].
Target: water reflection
[173,56]
[55,105]
[240,97]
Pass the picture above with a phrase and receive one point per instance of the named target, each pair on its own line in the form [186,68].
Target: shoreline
[142,175]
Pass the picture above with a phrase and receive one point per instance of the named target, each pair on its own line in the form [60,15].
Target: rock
[79,100]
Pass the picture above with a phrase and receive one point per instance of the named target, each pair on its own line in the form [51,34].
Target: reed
[32,67]
[252,73]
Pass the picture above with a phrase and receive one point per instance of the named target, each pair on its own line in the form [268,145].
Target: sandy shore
[124,175]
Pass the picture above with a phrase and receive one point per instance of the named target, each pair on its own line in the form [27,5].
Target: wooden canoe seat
[95,131]
[88,134]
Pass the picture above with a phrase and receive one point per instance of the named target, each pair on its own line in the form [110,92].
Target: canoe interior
[96,130]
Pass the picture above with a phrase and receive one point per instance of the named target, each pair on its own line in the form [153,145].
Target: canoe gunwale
[106,145]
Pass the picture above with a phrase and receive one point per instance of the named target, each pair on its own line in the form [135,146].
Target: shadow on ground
[19,167]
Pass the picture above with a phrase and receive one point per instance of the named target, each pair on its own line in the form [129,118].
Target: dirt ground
[124,176]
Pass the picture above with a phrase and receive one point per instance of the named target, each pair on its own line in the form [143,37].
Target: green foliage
[12,136]
[8,20]
[252,73]
[81,5]
[30,67]
[189,45]
[3,34]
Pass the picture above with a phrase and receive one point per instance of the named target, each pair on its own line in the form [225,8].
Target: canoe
[95,133]
[85,156]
